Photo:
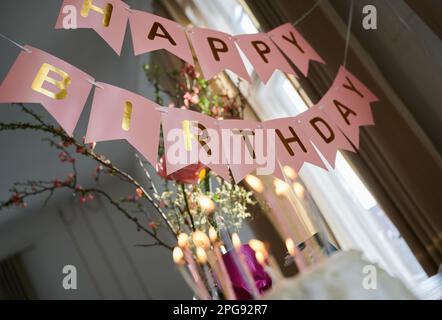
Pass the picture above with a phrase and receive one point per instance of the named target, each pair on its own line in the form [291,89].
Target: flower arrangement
[193,194]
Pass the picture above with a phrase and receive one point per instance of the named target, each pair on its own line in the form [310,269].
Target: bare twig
[59,133]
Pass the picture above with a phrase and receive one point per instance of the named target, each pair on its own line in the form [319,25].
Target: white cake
[345,275]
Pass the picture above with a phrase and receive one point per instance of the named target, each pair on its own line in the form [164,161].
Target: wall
[94,238]
[409,55]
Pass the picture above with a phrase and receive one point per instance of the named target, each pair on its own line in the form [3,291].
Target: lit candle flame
[201,255]
[213,235]
[200,239]
[183,240]
[290,244]
[255,183]
[290,172]
[299,190]
[206,203]
[258,246]
[281,187]
[260,257]
[178,256]
[236,241]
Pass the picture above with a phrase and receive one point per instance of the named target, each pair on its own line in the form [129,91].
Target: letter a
[70,280]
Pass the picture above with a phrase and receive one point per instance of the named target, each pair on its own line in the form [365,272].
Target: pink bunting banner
[216,51]
[292,146]
[107,17]
[324,134]
[229,147]
[120,114]
[245,146]
[191,137]
[347,104]
[151,32]
[263,55]
[38,77]
[294,46]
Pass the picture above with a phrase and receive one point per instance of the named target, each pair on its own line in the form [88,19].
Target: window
[351,212]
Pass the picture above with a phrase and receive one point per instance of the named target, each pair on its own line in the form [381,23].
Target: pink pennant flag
[324,134]
[245,145]
[347,104]
[263,54]
[107,17]
[120,114]
[191,137]
[292,146]
[216,51]
[294,46]
[38,77]
[151,32]
[352,87]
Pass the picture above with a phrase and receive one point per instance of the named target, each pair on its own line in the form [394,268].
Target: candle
[243,266]
[206,204]
[287,233]
[183,240]
[261,259]
[202,259]
[258,246]
[178,258]
[213,235]
[295,253]
[254,183]
[200,239]
[216,259]
[203,293]
[323,232]
[290,172]
[224,233]
[266,260]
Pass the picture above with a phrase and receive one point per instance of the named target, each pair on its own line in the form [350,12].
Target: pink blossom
[80,150]
[187,96]
[153,225]
[16,199]
[195,99]
[139,192]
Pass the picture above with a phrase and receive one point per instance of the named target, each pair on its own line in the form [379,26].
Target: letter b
[43,76]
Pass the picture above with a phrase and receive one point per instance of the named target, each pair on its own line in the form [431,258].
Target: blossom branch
[67,140]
